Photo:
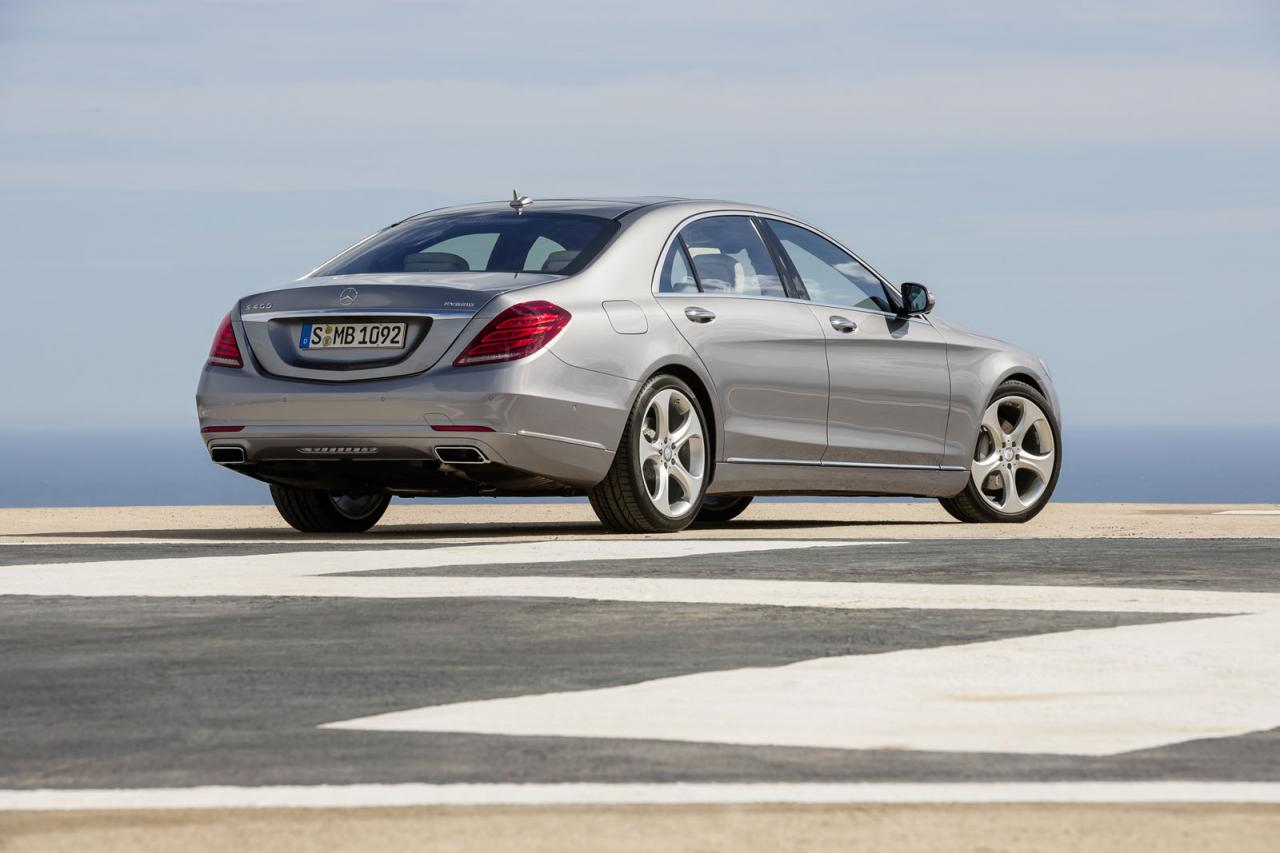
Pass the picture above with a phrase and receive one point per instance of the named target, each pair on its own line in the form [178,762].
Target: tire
[311,511]
[662,465]
[720,510]
[1015,462]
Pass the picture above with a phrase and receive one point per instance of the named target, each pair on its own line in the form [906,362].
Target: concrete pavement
[872,674]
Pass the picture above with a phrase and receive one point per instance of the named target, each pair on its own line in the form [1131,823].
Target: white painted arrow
[1086,692]
[1092,692]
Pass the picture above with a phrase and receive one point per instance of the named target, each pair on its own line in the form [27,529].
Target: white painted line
[304,572]
[1248,512]
[310,573]
[1088,692]
[668,793]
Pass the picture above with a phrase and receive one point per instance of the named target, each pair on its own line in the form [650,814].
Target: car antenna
[519,202]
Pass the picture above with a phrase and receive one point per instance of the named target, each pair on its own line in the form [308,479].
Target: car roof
[608,208]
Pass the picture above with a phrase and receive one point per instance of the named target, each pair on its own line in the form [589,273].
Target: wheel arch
[974,379]
[701,390]
[968,505]
[1022,376]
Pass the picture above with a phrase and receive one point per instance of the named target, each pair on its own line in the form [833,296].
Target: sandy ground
[408,521]
[639,829]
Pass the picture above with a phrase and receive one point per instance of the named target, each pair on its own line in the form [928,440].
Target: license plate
[352,336]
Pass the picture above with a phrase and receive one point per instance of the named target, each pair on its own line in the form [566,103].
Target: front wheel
[662,465]
[311,511]
[1016,461]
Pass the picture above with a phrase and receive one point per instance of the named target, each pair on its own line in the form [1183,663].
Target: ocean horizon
[168,466]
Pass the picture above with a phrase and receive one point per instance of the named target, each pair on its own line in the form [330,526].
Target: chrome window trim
[822,464]
[914,318]
[656,281]
[810,228]
[655,284]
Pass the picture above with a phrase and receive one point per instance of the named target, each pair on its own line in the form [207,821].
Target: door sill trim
[822,464]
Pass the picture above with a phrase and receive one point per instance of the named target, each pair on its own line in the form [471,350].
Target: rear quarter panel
[623,273]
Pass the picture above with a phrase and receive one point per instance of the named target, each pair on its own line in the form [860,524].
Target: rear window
[561,243]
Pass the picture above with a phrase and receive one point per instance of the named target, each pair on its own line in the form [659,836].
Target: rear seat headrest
[557,261]
[716,272]
[435,262]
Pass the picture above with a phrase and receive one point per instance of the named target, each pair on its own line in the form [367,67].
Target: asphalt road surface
[704,692]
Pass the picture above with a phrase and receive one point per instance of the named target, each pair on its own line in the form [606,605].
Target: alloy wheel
[1014,459]
[672,452]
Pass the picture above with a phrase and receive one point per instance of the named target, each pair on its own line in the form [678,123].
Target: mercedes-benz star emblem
[348,296]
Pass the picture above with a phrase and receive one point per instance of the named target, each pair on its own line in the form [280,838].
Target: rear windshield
[560,243]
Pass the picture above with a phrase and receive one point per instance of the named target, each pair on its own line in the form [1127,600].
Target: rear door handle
[843,324]
[699,315]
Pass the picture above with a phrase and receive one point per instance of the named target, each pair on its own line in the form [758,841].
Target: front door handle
[699,315]
[843,324]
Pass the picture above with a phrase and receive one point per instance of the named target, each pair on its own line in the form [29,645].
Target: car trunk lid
[433,308]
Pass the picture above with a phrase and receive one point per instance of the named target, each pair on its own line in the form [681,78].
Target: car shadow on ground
[445,531]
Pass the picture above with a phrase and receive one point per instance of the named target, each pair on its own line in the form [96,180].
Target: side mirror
[916,299]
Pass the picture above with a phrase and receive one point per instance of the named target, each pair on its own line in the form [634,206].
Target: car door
[765,352]
[890,393]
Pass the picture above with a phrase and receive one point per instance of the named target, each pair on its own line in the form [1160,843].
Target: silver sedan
[668,358]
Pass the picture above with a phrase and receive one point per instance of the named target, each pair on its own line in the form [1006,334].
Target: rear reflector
[519,331]
[460,428]
[225,352]
[221,429]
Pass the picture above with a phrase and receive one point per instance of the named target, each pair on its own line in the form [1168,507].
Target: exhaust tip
[227,455]
[461,455]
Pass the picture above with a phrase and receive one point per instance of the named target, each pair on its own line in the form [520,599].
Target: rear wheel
[312,511]
[1015,462]
[718,509]
[662,465]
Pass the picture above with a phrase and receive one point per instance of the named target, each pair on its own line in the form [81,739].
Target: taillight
[519,331]
[225,352]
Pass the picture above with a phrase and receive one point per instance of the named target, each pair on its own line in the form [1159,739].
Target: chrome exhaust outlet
[461,455]
[227,455]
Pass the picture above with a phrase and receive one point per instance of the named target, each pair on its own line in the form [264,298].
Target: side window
[830,274]
[676,275]
[729,257]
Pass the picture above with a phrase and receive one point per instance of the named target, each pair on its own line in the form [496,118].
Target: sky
[1098,182]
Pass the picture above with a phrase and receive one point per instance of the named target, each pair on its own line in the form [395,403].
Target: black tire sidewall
[313,511]
[734,507]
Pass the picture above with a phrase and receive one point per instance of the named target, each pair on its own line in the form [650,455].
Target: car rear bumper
[539,416]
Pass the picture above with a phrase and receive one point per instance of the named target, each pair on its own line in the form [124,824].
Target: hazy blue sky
[1097,181]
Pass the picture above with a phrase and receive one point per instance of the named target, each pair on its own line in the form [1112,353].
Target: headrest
[435,262]
[556,261]
[716,272]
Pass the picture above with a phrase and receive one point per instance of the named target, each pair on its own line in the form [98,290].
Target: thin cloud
[290,135]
